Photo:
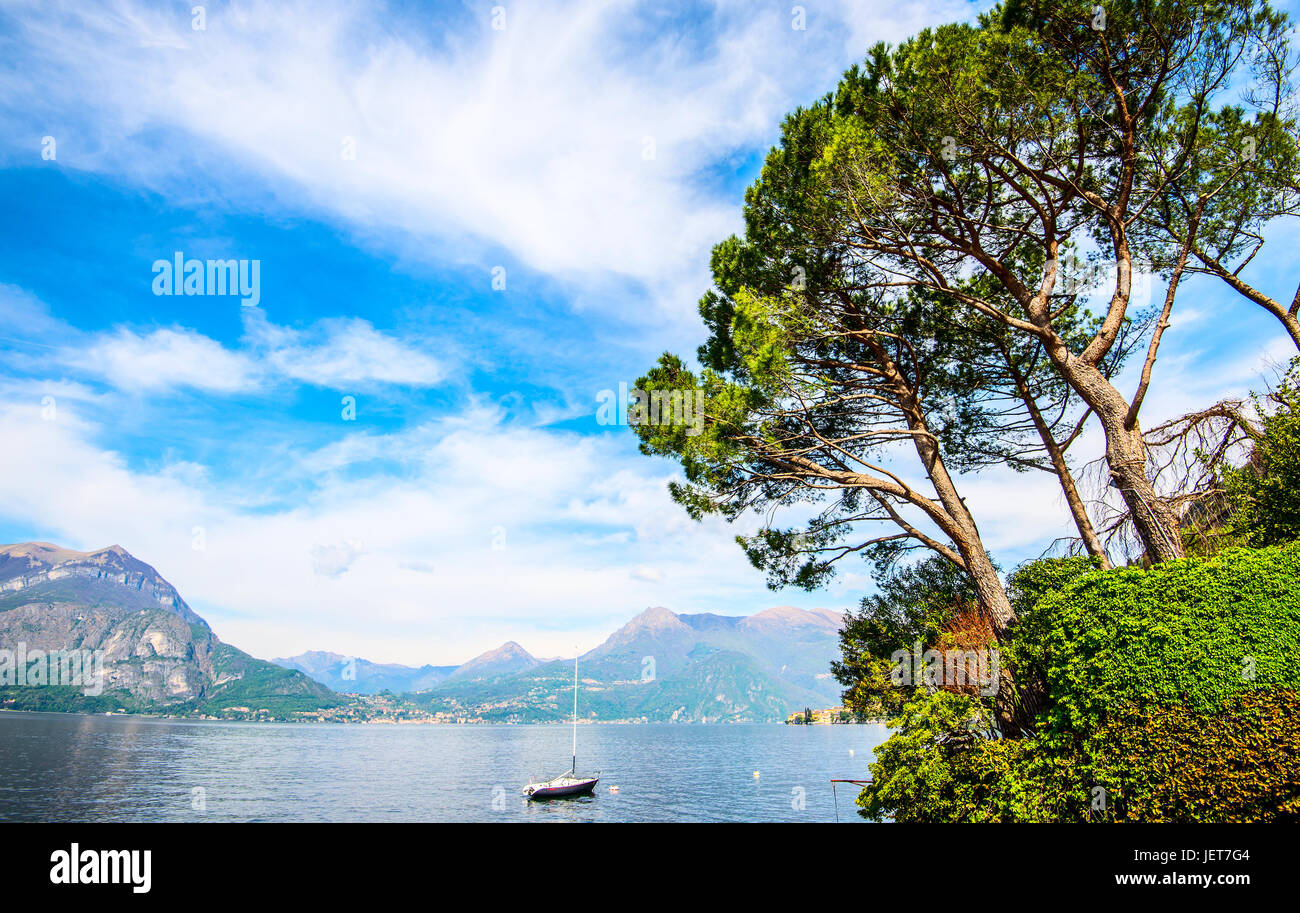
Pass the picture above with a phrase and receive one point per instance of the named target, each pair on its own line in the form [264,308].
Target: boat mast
[575,716]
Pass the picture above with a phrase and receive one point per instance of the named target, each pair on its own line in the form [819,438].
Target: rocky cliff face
[157,652]
[151,654]
[38,571]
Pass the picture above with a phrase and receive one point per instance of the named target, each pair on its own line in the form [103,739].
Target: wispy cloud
[574,137]
[333,560]
[481,531]
[340,353]
[163,359]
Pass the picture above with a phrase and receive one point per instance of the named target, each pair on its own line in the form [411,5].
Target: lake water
[68,767]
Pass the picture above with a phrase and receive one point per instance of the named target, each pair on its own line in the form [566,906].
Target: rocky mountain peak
[33,572]
[655,618]
[509,657]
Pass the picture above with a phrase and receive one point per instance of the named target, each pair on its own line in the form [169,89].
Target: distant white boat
[569,784]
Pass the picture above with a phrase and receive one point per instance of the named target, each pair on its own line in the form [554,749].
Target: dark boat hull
[568,791]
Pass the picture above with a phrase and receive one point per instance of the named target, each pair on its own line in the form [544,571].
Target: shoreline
[391,722]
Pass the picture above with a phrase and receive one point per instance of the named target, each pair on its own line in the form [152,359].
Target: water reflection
[67,767]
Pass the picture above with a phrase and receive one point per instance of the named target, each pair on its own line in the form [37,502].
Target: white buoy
[850,752]
[755,775]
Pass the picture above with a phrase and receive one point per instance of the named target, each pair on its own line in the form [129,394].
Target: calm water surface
[67,767]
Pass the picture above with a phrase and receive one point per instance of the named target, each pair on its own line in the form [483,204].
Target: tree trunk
[960,526]
[1156,524]
[1015,706]
[1292,326]
[1014,713]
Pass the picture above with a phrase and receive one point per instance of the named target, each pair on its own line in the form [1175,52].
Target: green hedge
[1172,696]
[1241,763]
[1188,633]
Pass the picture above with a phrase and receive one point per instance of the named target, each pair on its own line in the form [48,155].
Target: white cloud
[487,533]
[646,574]
[333,560]
[164,358]
[535,138]
[340,353]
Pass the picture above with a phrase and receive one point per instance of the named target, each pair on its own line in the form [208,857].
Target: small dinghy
[569,784]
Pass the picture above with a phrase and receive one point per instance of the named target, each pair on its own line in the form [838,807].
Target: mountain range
[360,676]
[161,656]
[354,675]
[659,666]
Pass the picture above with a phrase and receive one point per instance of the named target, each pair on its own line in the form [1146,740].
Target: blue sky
[590,154]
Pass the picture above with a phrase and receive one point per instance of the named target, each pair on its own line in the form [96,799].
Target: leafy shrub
[916,602]
[1266,492]
[1185,633]
[912,777]
[1239,764]
[1026,654]
[937,767]
[1173,689]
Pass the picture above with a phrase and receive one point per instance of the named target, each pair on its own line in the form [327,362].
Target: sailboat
[566,784]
